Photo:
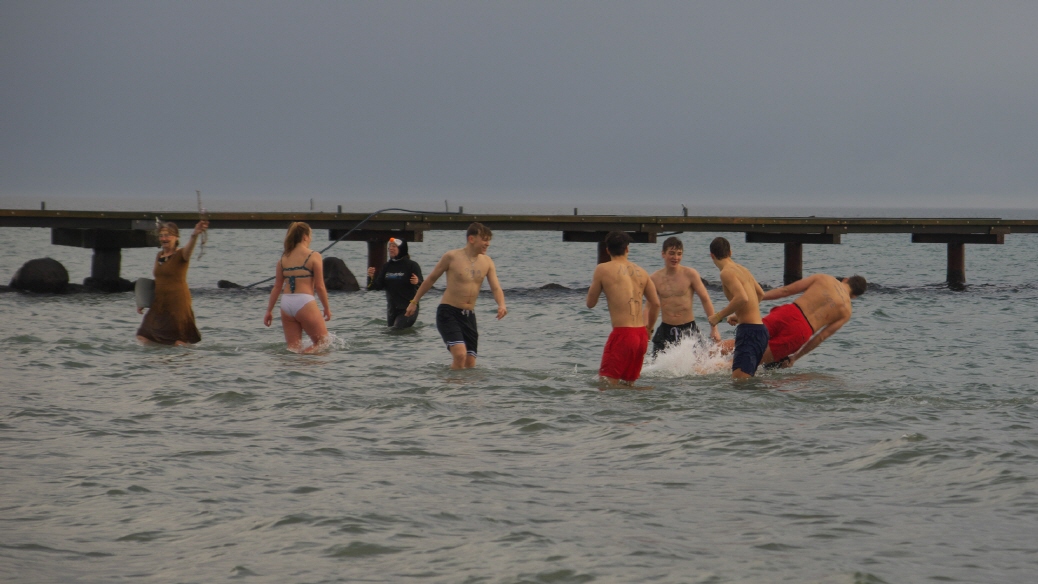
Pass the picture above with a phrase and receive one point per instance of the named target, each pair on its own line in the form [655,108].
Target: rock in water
[338,277]
[41,275]
[108,286]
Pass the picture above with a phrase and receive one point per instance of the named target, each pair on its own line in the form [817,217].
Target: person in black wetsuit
[400,278]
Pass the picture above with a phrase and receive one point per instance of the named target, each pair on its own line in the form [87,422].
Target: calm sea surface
[904,449]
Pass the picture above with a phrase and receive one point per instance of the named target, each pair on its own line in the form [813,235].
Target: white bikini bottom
[293,303]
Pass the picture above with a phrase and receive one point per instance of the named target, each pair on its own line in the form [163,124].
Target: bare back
[465,277]
[301,266]
[825,301]
[624,284]
[739,283]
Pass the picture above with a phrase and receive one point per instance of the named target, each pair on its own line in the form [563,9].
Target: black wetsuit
[395,279]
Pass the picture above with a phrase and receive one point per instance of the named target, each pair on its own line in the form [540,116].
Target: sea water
[903,449]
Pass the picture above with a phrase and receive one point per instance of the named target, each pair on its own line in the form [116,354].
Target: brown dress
[170,318]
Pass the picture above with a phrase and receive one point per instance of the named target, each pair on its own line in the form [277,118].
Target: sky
[799,103]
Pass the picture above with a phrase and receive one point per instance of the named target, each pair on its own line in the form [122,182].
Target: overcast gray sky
[872,103]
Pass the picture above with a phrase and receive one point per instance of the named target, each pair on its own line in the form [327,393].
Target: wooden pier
[107,232]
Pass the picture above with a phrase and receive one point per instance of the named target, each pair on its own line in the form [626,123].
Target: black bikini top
[292,279]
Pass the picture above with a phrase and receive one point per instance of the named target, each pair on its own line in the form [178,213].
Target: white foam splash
[331,342]
[690,356]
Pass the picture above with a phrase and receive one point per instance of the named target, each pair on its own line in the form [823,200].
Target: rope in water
[356,227]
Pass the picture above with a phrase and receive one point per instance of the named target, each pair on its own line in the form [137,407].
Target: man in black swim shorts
[457,326]
[466,268]
[677,286]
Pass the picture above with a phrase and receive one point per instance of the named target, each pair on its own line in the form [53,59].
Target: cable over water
[356,227]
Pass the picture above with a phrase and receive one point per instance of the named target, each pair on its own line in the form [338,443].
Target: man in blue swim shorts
[744,295]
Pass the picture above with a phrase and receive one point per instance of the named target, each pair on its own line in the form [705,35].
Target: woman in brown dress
[170,320]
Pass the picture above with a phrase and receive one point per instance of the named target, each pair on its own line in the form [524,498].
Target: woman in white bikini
[300,272]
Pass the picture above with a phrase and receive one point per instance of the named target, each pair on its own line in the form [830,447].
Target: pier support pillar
[793,269]
[956,265]
[957,250]
[107,244]
[377,254]
[599,238]
[106,264]
[794,266]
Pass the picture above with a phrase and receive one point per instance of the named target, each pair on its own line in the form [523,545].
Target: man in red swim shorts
[624,284]
[797,328]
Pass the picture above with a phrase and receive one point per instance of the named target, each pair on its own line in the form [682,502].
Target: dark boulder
[108,286]
[338,277]
[41,275]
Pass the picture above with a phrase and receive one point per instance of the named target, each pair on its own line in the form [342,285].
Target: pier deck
[107,232]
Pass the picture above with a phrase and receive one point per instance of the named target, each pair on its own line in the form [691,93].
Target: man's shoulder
[689,272]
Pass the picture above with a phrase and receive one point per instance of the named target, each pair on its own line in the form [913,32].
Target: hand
[327,314]
[787,362]
[715,335]
[371,272]
[268,318]
[714,319]
[414,278]
[200,227]
[733,320]
[411,309]
[501,312]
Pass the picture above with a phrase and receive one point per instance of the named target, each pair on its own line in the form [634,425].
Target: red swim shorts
[788,330]
[624,353]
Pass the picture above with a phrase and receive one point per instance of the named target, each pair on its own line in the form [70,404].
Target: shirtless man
[744,295]
[675,285]
[466,268]
[625,284]
[797,328]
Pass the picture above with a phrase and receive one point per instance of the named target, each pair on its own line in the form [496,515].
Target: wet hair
[673,243]
[721,248]
[172,228]
[479,230]
[295,234]
[857,284]
[616,243]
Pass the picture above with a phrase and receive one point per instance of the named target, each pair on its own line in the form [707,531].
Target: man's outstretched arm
[826,332]
[790,289]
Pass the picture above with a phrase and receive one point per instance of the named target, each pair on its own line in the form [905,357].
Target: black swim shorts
[751,340]
[669,334]
[457,326]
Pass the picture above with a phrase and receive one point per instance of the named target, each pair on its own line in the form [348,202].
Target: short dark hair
[479,230]
[857,284]
[616,243]
[673,242]
[720,248]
